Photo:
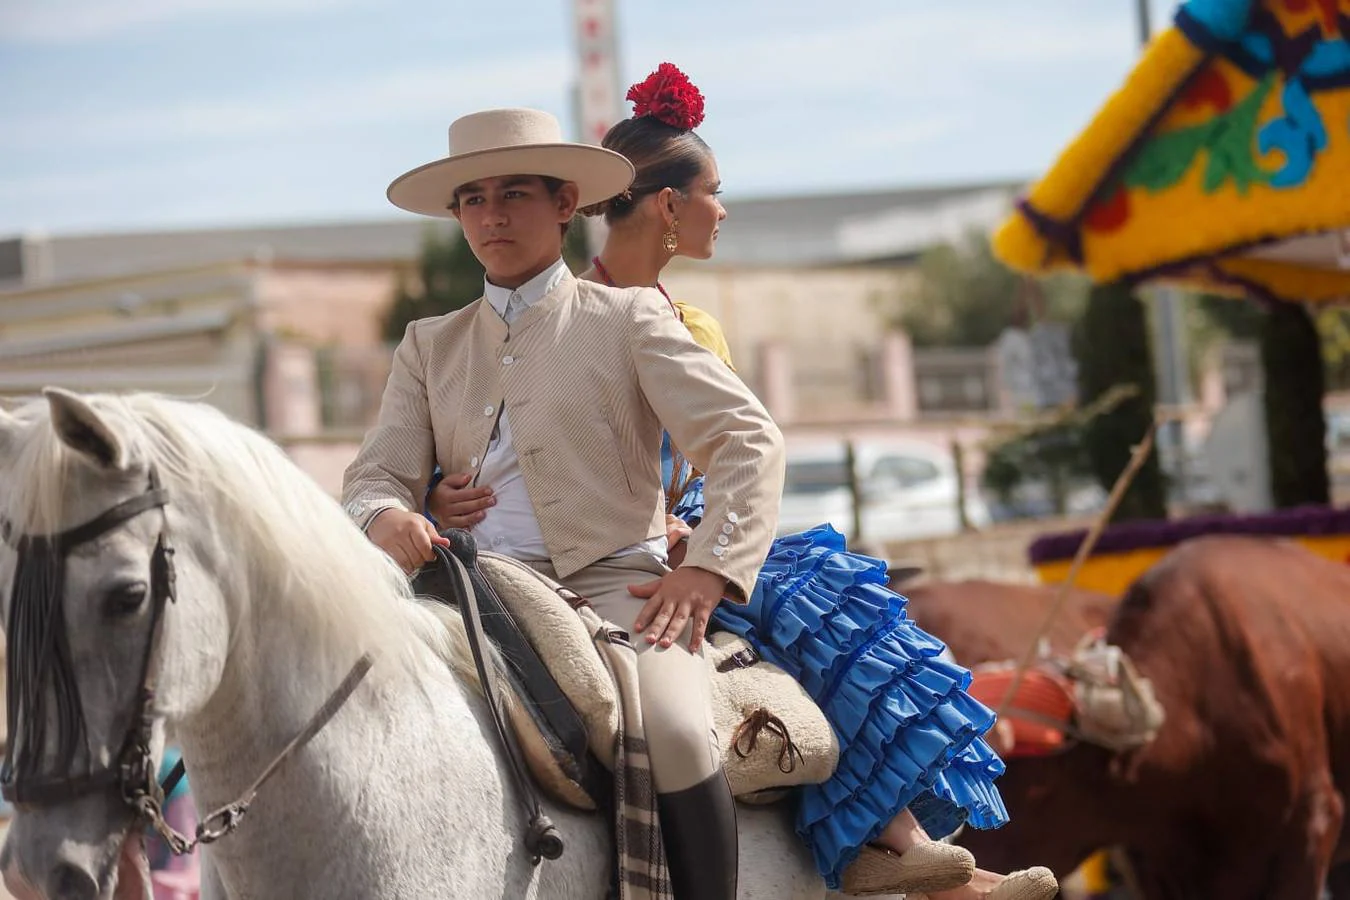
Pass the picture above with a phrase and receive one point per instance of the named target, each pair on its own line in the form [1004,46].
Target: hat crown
[500,142]
[496,129]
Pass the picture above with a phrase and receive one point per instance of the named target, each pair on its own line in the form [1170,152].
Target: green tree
[1212,320]
[1333,324]
[1053,455]
[1112,347]
[1231,317]
[965,297]
[448,277]
[1291,355]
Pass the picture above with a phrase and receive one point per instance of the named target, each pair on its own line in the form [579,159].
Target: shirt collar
[531,292]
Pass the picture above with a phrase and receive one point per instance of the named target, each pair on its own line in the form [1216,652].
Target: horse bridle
[133,772]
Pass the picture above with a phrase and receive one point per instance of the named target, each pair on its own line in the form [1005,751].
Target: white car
[909,491]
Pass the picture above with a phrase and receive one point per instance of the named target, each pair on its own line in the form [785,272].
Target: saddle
[564,708]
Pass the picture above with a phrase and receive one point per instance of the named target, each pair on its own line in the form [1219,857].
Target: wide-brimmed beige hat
[500,142]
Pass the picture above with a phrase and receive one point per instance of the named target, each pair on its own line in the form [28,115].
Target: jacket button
[487,410]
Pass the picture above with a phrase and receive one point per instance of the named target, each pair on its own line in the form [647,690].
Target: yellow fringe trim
[1066,187]
[1183,221]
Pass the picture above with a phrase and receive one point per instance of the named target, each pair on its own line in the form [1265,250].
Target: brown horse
[1247,642]
[986,621]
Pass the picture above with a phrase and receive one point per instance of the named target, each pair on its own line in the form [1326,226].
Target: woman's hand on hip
[686,594]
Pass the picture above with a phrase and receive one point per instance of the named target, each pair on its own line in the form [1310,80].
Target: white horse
[402,795]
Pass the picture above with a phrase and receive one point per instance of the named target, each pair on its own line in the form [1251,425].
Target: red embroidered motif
[1330,18]
[1109,213]
[1327,11]
[1209,87]
[668,96]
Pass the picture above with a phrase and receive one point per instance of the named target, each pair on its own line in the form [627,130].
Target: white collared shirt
[511,527]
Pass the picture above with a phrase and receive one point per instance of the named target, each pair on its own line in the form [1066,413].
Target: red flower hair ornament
[668,96]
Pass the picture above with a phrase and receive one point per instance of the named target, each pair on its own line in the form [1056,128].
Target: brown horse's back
[1248,640]
[1247,643]
[984,621]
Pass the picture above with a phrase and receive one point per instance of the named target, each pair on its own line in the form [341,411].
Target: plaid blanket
[639,855]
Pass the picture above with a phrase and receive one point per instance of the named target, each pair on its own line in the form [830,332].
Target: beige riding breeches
[673,683]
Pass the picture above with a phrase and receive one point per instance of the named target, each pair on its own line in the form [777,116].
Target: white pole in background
[597,99]
[1174,383]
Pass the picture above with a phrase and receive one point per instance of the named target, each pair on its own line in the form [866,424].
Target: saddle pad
[548,621]
[773,735]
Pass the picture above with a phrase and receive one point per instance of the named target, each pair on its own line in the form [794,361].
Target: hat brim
[429,190]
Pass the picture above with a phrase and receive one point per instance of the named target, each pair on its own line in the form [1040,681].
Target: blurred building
[280,326]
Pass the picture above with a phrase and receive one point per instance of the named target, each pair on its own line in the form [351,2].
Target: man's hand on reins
[673,600]
[456,505]
[405,536]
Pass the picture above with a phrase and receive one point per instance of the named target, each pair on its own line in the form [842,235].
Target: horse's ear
[81,428]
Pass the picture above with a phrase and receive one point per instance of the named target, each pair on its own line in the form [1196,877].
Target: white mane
[403,796]
[342,588]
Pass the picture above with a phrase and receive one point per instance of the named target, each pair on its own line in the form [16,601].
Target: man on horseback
[554,392]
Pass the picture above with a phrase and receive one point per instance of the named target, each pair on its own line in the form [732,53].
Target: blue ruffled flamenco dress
[909,735]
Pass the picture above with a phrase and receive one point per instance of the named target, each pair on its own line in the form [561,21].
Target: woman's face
[700,213]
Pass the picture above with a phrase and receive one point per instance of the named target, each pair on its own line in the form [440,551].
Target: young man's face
[512,224]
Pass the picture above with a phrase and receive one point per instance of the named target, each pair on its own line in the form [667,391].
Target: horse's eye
[125,599]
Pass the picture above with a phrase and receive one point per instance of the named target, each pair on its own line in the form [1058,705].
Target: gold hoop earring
[671,239]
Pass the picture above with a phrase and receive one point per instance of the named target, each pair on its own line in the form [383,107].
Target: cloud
[861,151]
[76,21]
[797,100]
[442,92]
[887,63]
[913,52]
[288,183]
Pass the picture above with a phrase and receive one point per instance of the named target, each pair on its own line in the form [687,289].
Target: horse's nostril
[70,882]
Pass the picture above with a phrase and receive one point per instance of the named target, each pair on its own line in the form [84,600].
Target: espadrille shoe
[927,866]
[1036,883]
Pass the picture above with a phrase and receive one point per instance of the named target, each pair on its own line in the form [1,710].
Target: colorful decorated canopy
[1224,160]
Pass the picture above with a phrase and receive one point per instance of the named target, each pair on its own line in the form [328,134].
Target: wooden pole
[1141,452]
[959,461]
[855,490]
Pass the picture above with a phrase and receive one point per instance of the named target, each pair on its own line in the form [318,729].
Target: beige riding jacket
[589,375]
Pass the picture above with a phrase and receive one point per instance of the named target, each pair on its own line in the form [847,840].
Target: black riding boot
[698,826]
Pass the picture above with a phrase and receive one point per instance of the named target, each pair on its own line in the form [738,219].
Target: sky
[145,114]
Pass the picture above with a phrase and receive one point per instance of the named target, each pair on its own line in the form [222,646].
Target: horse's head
[112,624]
